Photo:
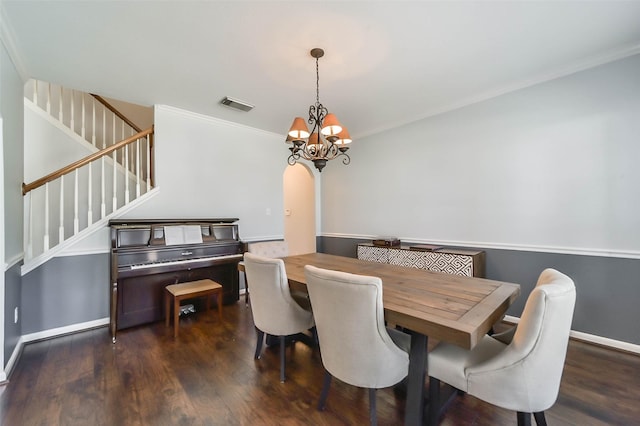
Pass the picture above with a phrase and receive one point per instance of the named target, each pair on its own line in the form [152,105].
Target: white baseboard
[13,360]
[592,338]
[53,332]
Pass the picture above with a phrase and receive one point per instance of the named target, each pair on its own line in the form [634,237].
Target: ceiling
[386,63]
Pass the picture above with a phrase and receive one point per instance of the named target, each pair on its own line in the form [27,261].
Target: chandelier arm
[304,153]
[332,151]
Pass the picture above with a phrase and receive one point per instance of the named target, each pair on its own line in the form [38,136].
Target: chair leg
[524,419]
[434,400]
[325,390]
[540,419]
[282,359]
[373,418]
[259,343]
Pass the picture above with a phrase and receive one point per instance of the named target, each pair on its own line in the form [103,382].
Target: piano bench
[190,290]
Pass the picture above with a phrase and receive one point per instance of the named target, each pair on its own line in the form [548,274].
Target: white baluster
[126,174]
[72,118]
[124,159]
[61,228]
[104,127]
[76,222]
[90,197]
[115,188]
[148,154]
[93,120]
[103,205]
[133,154]
[29,237]
[60,115]
[46,216]
[82,131]
[49,98]
[137,168]
[35,92]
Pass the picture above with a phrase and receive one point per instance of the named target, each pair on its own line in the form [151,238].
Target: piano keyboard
[184,262]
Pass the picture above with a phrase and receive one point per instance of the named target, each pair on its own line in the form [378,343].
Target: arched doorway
[299,209]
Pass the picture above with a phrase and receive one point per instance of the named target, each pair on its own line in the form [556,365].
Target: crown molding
[8,40]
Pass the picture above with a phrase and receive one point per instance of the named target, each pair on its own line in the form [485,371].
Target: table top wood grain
[451,308]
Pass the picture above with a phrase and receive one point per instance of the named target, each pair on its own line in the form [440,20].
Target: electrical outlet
[15,315]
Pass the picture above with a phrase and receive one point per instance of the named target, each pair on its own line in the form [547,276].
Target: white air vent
[236,104]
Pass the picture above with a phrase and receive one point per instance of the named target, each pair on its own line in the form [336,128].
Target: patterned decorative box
[447,260]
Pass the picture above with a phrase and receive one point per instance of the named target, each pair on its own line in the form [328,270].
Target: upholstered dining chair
[265,249]
[521,369]
[355,345]
[274,310]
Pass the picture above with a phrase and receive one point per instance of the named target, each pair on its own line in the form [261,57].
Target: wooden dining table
[450,308]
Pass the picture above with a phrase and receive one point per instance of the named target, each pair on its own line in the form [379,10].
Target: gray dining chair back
[265,249]
[269,248]
[355,345]
[274,311]
[520,371]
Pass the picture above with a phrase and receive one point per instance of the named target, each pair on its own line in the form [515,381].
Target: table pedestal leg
[415,384]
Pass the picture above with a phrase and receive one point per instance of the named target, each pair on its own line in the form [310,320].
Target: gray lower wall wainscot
[65,291]
[12,300]
[608,288]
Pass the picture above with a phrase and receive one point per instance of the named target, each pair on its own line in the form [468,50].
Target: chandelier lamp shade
[328,138]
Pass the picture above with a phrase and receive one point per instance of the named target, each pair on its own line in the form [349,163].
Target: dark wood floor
[208,377]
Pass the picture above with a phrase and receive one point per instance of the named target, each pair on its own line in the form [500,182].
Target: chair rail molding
[623,254]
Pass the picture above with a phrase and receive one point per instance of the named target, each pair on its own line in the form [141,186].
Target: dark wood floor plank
[208,376]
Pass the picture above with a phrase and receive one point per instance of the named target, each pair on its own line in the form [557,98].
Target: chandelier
[328,138]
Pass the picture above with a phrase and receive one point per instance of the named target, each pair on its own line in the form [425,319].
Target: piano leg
[114,310]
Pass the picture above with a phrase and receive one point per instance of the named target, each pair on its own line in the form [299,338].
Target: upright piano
[148,255]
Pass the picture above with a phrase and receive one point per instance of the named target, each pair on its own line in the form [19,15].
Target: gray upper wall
[552,167]
[212,168]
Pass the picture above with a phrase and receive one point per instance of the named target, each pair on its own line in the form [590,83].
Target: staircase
[78,199]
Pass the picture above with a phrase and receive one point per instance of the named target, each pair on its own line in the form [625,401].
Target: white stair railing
[67,203]
[121,158]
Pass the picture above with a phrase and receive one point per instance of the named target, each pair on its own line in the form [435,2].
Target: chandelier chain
[317,83]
